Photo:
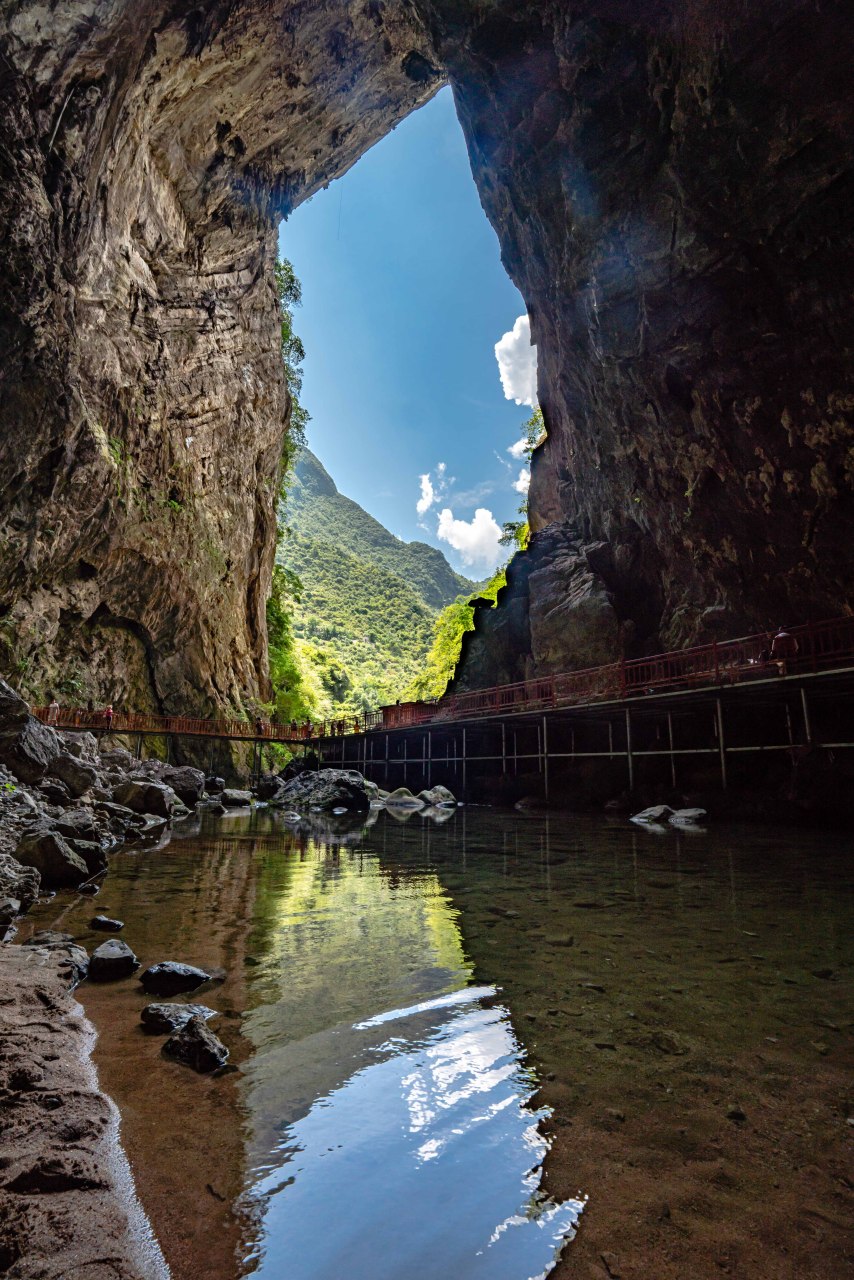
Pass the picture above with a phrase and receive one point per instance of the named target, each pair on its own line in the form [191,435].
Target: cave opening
[409,351]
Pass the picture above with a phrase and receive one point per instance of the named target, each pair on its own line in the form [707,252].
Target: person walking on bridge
[108,717]
[53,711]
[784,649]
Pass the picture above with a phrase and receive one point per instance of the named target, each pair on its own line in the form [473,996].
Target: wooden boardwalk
[602,712]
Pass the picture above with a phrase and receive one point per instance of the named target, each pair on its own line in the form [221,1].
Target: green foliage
[516,533]
[297,694]
[289,291]
[449,628]
[363,623]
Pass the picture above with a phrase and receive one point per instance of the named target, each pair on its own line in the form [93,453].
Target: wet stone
[164,1019]
[106,925]
[196,1046]
[170,978]
[112,960]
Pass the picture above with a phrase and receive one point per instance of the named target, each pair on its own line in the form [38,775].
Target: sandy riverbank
[68,1207]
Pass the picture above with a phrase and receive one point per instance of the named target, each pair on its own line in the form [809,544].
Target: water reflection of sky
[400,1140]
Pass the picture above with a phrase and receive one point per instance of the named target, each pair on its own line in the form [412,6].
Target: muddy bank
[67,1201]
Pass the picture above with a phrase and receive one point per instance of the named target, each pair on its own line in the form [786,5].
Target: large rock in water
[326,789]
[196,1046]
[54,859]
[27,746]
[146,797]
[187,783]
[113,959]
[171,977]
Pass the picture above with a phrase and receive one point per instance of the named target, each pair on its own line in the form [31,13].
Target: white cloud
[477,540]
[428,495]
[517,450]
[521,485]
[431,492]
[517,363]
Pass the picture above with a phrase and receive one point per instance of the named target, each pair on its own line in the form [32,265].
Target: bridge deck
[825,649]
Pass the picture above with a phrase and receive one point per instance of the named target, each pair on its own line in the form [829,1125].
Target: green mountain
[363,620]
[317,510]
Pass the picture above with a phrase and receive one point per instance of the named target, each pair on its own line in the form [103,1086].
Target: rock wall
[670,186]
[149,150]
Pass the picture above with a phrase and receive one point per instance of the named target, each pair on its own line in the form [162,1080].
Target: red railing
[820,645]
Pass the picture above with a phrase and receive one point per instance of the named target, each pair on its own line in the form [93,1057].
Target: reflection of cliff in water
[382,1089]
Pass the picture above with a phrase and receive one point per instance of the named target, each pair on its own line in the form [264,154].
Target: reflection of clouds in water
[427,1157]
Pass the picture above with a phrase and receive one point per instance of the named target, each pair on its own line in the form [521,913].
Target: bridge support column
[610,739]
[464,762]
[672,756]
[807,722]
[545,758]
[503,749]
[629,757]
[719,713]
[429,758]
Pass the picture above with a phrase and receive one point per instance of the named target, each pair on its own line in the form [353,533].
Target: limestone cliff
[148,152]
[671,186]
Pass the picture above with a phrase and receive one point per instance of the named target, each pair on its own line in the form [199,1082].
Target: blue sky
[404,299]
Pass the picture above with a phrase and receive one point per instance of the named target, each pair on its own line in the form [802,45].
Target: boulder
[113,959]
[438,797]
[325,789]
[79,743]
[27,746]
[196,1046]
[402,798]
[164,1019]
[18,882]
[171,977]
[54,792]
[235,799]
[269,787]
[187,783]
[92,853]
[146,797]
[74,957]
[214,785]
[77,776]
[53,858]
[77,824]
[104,924]
[118,759]
[655,813]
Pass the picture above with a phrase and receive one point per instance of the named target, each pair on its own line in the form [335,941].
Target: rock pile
[64,805]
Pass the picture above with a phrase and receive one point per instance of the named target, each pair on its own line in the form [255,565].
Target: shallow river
[416,1012]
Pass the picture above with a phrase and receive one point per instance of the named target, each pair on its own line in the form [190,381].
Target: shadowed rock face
[670,196]
[670,193]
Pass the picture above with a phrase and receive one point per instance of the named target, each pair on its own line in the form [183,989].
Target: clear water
[395,994]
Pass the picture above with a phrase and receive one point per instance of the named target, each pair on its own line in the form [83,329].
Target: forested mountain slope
[316,509]
[363,620]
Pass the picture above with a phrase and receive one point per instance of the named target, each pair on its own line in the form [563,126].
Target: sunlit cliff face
[670,193]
